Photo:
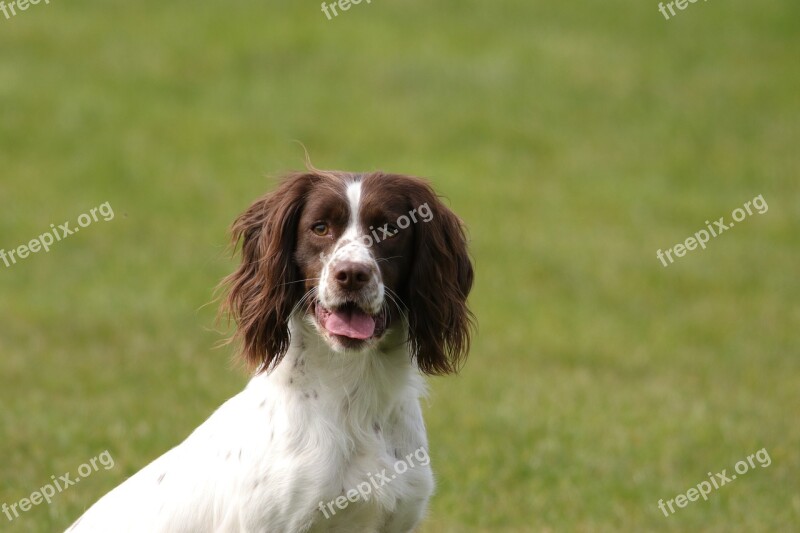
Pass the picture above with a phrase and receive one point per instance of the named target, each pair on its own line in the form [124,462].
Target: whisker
[309,293]
[298,281]
[396,296]
[394,299]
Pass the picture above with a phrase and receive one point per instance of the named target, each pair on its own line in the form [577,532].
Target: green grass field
[574,139]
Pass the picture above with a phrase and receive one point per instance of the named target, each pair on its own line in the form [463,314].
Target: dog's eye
[320,228]
[392,230]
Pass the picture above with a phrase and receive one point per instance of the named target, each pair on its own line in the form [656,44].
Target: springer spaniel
[351,286]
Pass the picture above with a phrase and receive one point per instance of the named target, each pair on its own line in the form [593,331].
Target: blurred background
[575,140]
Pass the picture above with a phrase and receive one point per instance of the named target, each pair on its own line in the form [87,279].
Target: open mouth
[349,323]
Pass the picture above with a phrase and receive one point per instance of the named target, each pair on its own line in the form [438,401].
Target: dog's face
[353,259]
[356,256]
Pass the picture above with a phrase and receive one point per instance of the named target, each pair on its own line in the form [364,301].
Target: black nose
[351,276]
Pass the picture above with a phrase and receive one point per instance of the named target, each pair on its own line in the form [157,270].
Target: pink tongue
[350,323]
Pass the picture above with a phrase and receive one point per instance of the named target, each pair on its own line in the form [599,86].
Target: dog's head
[356,256]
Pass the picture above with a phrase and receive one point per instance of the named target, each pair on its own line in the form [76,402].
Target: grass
[575,140]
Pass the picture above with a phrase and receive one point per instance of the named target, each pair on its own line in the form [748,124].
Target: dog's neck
[363,386]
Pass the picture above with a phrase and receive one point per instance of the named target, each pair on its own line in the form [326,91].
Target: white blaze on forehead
[351,248]
[354,201]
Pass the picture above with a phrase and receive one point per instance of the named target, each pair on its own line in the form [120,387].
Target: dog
[350,289]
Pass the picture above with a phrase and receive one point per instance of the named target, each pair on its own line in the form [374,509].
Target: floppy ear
[261,292]
[440,322]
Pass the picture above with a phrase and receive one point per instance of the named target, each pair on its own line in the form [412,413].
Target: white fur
[301,435]
[351,248]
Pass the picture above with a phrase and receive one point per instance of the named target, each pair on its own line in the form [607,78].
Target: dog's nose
[352,276]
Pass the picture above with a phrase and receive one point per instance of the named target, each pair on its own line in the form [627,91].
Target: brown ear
[261,293]
[440,322]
